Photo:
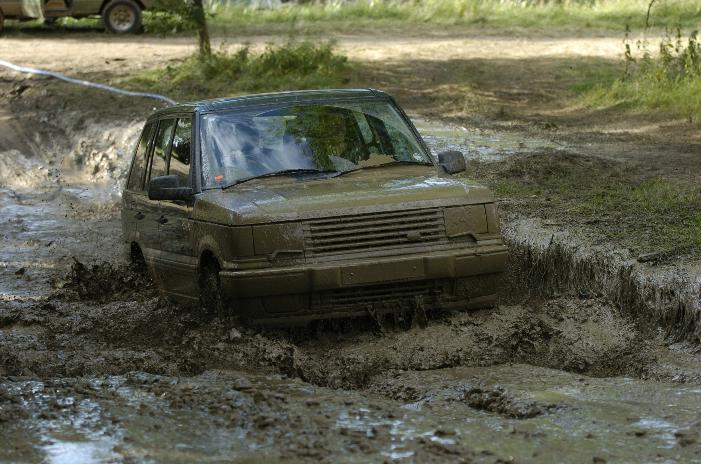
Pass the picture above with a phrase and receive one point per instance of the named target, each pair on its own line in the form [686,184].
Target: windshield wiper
[391,163]
[285,172]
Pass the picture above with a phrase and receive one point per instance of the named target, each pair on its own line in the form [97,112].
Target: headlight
[461,221]
[278,239]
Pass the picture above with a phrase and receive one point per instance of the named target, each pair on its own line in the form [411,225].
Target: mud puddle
[477,143]
[43,231]
[505,413]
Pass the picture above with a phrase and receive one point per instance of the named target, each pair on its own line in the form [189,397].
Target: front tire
[210,290]
[122,17]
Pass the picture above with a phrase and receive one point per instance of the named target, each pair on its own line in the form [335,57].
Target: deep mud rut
[94,367]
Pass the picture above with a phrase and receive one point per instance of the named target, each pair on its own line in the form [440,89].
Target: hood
[276,199]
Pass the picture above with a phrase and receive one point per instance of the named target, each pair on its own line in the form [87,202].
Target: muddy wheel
[122,17]
[137,260]
[210,289]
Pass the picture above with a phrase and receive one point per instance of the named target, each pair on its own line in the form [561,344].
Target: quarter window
[138,168]
[179,164]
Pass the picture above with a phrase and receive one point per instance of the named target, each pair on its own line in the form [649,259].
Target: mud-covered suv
[289,207]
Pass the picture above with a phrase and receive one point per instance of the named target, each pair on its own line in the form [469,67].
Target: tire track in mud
[546,262]
[97,310]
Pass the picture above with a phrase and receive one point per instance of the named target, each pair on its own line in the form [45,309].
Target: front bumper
[293,291]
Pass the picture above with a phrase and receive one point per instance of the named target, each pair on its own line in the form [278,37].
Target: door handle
[162,220]
[139,215]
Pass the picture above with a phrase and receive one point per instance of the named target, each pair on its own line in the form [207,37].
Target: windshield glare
[336,137]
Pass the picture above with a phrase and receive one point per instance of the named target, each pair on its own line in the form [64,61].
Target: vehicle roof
[217,104]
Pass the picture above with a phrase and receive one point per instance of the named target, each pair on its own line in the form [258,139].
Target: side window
[138,169]
[179,164]
[164,136]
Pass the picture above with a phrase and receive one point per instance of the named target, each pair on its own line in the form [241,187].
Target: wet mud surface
[95,367]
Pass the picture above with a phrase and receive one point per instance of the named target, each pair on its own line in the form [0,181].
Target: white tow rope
[108,88]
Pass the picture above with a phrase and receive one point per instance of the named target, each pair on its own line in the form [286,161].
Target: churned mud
[591,354]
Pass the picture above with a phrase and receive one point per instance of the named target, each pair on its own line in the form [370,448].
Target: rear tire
[137,260]
[122,17]
[210,290]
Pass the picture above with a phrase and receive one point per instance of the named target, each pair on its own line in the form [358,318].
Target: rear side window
[138,168]
[179,164]
[164,136]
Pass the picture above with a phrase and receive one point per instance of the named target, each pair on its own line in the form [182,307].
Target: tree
[177,15]
[200,19]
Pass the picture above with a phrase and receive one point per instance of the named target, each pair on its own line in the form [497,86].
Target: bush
[290,66]
[162,22]
[668,81]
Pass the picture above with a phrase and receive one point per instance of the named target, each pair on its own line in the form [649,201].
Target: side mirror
[452,161]
[168,188]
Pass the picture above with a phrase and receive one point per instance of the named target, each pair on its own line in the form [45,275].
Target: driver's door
[175,229]
[150,241]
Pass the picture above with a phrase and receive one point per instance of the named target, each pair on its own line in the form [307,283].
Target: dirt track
[94,367]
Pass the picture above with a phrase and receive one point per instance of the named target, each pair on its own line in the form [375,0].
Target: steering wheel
[373,143]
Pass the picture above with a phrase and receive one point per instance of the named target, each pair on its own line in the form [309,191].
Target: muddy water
[122,377]
[477,143]
[508,412]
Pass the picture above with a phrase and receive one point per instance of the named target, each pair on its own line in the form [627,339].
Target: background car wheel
[2,22]
[210,289]
[122,17]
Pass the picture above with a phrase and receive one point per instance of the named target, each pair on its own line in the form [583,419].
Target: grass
[645,212]
[667,81]
[290,66]
[541,14]
[379,15]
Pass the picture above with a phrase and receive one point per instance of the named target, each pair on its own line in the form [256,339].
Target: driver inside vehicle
[310,139]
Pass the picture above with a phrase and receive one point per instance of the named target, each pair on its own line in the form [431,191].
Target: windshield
[331,137]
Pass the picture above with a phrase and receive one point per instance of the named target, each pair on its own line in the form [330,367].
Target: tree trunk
[202,32]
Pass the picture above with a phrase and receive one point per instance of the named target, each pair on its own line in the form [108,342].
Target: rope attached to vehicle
[108,88]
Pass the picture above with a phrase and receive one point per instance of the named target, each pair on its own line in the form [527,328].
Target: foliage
[163,22]
[669,80]
[666,80]
[290,66]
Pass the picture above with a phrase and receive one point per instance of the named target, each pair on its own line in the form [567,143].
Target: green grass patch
[667,81]
[643,212]
[290,66]
[406,15]
[696,230]
[563,14]
[380,15]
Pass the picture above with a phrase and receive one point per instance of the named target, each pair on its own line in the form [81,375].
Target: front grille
[378,294]
[360,232]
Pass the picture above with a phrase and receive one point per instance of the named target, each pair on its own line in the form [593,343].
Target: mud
[587,356]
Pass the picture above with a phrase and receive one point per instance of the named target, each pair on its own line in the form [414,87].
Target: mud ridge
[104,282]
[549,262]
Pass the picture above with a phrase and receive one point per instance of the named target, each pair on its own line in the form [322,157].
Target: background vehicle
[119,16]
[309,205]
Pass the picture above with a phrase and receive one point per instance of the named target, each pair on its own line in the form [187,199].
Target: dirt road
[94,368]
